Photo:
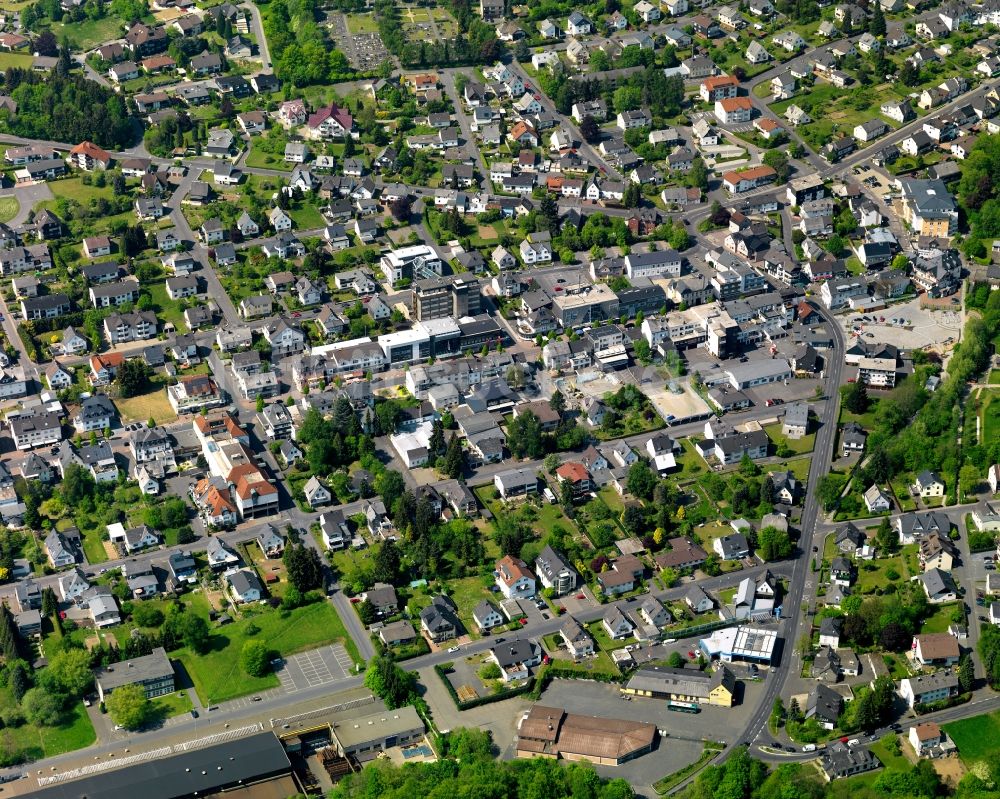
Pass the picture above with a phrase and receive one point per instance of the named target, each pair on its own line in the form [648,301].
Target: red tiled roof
[91,150]
[573,472]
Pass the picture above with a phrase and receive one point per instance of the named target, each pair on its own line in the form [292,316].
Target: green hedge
[922,709]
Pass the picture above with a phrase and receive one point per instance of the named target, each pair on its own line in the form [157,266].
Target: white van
[809,748]
[854,742]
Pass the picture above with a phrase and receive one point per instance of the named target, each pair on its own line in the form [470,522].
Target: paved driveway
[29,197]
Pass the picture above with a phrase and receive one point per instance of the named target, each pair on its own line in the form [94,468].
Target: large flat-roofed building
[197,772]
[553,733]
[365,736]
[754,644]
[153,672]
[584,306]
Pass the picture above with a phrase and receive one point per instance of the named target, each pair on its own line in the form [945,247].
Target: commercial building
[554,733]
[753,644]
[684,685]
[207,771]
[153,672]
[364,737]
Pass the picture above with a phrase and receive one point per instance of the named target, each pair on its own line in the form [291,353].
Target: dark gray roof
[193,773]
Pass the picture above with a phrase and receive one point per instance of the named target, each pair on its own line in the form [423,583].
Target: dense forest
[299,47]
[68,108]
[979,194]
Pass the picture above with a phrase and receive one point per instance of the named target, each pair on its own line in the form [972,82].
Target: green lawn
[175,704]
[866,419]
[306,217]
[878,577]
[36,742]
[166,309]
[991,416]
[217,675]
[152,404]
[361,23]
[9,206]
[938,623]
[262,160]
[977,738]
[995,377]
[797,466]
[74,189]
[93,546]
[690,461]
[611,498]
[89,33]
[798,446]
[16,60]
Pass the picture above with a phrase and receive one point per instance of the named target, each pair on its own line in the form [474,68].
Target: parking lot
[364,50]
[914,328]
[315,667]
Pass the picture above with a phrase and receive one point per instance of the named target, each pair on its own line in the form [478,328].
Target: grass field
[166,309]
[37,742]
[217,675]
[74,189]
[89,33]
[798,446]
[995,377]
[977,738]
[93,547]
[939,622]
[175,704]
[21,60]
[153,404]
[879,577]
[991,417]
[263,160]
[306,217]
[9,206]
[361,23]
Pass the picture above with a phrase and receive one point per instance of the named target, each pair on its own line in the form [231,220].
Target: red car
[355,600]
[581,596]
[522,620]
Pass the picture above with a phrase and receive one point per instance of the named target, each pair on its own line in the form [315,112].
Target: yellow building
[716,688]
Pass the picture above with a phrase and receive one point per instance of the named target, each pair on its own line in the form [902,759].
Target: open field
[74,189]
[37,742]
[990,418]
[258,158]
[88,33]
[166,309]
[977,738]
[153,404]
[217,675]
[361,23]
[16,60]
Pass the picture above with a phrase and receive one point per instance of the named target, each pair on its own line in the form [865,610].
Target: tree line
[72,108]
